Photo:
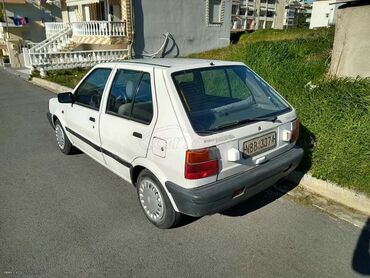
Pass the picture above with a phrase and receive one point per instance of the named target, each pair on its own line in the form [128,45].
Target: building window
[215,10]
[270,13]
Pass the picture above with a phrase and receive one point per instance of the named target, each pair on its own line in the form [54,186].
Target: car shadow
[307,142]
[361,255]
[262,199]
[254,203]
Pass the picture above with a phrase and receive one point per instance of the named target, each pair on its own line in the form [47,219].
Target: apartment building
[263,14]
[258,14]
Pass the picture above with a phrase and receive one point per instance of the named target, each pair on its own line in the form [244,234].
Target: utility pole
[6,21]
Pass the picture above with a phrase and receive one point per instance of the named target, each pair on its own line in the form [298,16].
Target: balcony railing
[99,28]
[88,28]
[269,6]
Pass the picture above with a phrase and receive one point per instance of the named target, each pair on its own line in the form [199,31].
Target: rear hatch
[251,146]
[232,108]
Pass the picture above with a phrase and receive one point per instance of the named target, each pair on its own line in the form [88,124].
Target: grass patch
[335,116]
[68,78]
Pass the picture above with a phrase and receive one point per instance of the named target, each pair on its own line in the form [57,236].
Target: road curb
[50,86]
[326,189]
[332,191]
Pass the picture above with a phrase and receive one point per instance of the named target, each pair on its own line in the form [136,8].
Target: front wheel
[62,140]
[155,202]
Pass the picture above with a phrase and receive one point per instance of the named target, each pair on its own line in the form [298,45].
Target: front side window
[220,97]
[131,96]
[90,92]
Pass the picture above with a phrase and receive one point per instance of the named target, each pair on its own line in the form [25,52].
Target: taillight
[295,131]
[201,163]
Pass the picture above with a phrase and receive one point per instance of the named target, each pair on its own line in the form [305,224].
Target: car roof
[172,62]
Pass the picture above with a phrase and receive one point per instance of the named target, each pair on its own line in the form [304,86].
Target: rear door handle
[92,119]
[137,134]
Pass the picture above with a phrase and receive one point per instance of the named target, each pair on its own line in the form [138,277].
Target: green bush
[68,78]
[334,113]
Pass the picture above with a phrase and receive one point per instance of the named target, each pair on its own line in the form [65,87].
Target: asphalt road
[68,216]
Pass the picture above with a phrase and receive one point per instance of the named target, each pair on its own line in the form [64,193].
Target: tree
[300,20]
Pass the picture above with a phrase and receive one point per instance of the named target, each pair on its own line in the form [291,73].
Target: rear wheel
[154,201]
[62,140]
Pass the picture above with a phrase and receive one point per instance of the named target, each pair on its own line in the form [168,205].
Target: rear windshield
[217,98]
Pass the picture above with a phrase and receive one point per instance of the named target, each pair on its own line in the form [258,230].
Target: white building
[261,14]
[323,13]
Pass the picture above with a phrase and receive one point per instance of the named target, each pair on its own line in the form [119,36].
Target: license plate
[259,144]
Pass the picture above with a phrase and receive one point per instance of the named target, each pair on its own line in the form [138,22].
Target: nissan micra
[194,137]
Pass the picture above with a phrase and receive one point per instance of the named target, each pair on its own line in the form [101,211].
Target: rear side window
[131,96]
[90,92]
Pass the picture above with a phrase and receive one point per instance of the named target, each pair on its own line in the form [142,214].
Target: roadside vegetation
[68,78]
[334,113]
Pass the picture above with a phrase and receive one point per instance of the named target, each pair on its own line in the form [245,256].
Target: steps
[58,51]
[70,46]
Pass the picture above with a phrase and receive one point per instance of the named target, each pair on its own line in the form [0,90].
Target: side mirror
[65,97]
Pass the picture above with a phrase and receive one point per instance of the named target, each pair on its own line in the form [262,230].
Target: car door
[127,123]
[82,117]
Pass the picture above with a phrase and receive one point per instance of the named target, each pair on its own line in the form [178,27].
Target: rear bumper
[218,196]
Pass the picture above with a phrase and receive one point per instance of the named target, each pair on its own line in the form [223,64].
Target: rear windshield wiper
[205,132]
[248,120]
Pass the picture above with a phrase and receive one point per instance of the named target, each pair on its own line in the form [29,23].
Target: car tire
[154,201]
[63,142]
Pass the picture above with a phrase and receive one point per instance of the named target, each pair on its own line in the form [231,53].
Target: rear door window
[131,96]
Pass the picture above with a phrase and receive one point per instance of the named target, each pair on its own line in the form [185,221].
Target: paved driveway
[67,216]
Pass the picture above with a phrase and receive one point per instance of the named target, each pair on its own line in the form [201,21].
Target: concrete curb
[332,191]
[50,86]
[328,190]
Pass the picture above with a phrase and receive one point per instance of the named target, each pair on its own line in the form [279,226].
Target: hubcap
[60,136]
[151,199]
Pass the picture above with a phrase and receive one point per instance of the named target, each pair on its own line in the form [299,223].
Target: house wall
[185,20]
[350,56]
[34,31]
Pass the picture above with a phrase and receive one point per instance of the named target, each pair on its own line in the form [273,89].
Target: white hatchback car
[194,136]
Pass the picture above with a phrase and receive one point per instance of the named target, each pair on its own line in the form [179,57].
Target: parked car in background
[194,136]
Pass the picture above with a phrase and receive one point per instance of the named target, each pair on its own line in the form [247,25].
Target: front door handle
[137,134]
[92,119]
